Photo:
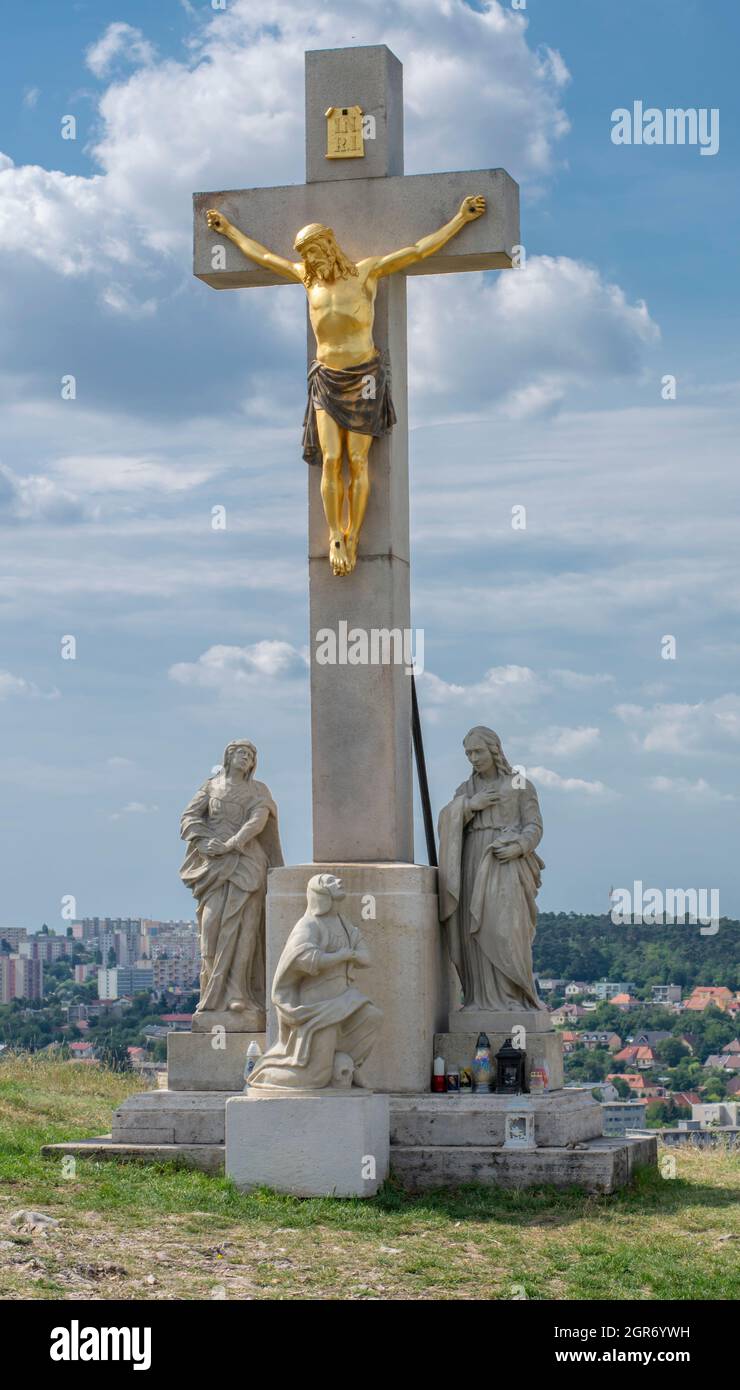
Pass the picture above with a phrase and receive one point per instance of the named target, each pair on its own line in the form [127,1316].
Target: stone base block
[244,1021]
[499,1021]
[603,1165]
[561,1118]
[395,907]
[208,1061]
[321,1145]
[172,1117]
[209,1158]
[459,1049]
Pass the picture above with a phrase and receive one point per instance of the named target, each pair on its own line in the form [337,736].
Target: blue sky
[540,388]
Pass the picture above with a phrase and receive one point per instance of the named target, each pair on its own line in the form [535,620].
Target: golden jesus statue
[349,398]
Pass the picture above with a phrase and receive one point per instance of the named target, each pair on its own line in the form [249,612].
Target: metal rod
[421,772]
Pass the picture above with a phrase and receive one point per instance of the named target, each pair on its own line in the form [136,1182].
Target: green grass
[156,1231]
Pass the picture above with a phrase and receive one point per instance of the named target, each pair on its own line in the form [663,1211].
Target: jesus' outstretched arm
[269,260]
[470,209]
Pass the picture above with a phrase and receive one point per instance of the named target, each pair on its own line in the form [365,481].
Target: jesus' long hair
[492,742]
[342,266]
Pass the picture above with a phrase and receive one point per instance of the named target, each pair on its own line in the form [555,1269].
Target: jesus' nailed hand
[349,400]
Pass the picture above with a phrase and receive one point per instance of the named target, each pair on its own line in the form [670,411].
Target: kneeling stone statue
[326,1027]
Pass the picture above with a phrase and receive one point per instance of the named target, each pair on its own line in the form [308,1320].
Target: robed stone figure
[231,829]
[327,1028]
[489,875]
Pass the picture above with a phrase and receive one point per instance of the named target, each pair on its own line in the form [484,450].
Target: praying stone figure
[231,829]
[326,1027]
[489,875]
[349,400]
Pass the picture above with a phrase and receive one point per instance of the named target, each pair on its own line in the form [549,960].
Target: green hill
[140,1231]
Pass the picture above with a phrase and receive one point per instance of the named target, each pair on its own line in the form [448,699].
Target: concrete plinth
[172,1117]
[247,1020]
[458,1048]
[208,1061]
[407,977]
[499,1021]
[565,1117]
[320,1144]
[603,1165]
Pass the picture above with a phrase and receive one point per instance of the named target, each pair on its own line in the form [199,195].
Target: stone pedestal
[395,906]
[208,1061]
[249,1020]
[539,1038]
[310,1144]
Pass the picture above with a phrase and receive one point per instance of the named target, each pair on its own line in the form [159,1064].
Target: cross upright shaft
[361,714]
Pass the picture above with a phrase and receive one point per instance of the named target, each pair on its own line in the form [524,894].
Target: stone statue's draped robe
[230,888]
[488,906]
[320,1012]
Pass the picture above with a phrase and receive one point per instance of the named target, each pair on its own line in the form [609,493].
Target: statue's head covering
[319,895]
[493,742]
[317,233]
[231,748]
[311,232]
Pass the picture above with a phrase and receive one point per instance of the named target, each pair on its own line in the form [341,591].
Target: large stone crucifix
[385,226]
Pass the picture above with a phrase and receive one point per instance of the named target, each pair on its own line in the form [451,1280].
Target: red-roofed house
[706,995]
[641,1057]
[634,1080]
[624,1001]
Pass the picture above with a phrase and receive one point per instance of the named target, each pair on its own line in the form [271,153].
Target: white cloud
[37,498]
[30,97]
[577,785]
[134,808]
[110,473]
[708,726]
[119,41]
[172,127]
[581,680]
[223,668]
[500,683]
[559,742]
[689,791]
[523,339]
[11,685]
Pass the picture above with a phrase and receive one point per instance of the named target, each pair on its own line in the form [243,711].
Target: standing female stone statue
[489,876]
[232,833]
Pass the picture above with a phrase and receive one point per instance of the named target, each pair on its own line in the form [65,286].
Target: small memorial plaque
[344,138]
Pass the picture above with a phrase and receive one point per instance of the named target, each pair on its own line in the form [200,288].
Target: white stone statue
[326,1027]
[489,876]
[232,832]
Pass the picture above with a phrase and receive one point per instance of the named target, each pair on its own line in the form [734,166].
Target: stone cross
[361,714]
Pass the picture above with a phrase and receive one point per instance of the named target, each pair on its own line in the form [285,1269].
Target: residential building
[20,978]
[606,989]
[602,1037]
[705,996]
[652,1038]
[718,1113]
[13,936]
[623,1115]
[107,983]
[641,1057]
[726,1061]
[666,994]
[624,1001]
[47,948]
[634,1079]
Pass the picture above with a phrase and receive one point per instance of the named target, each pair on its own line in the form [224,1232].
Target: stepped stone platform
[436,1140]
